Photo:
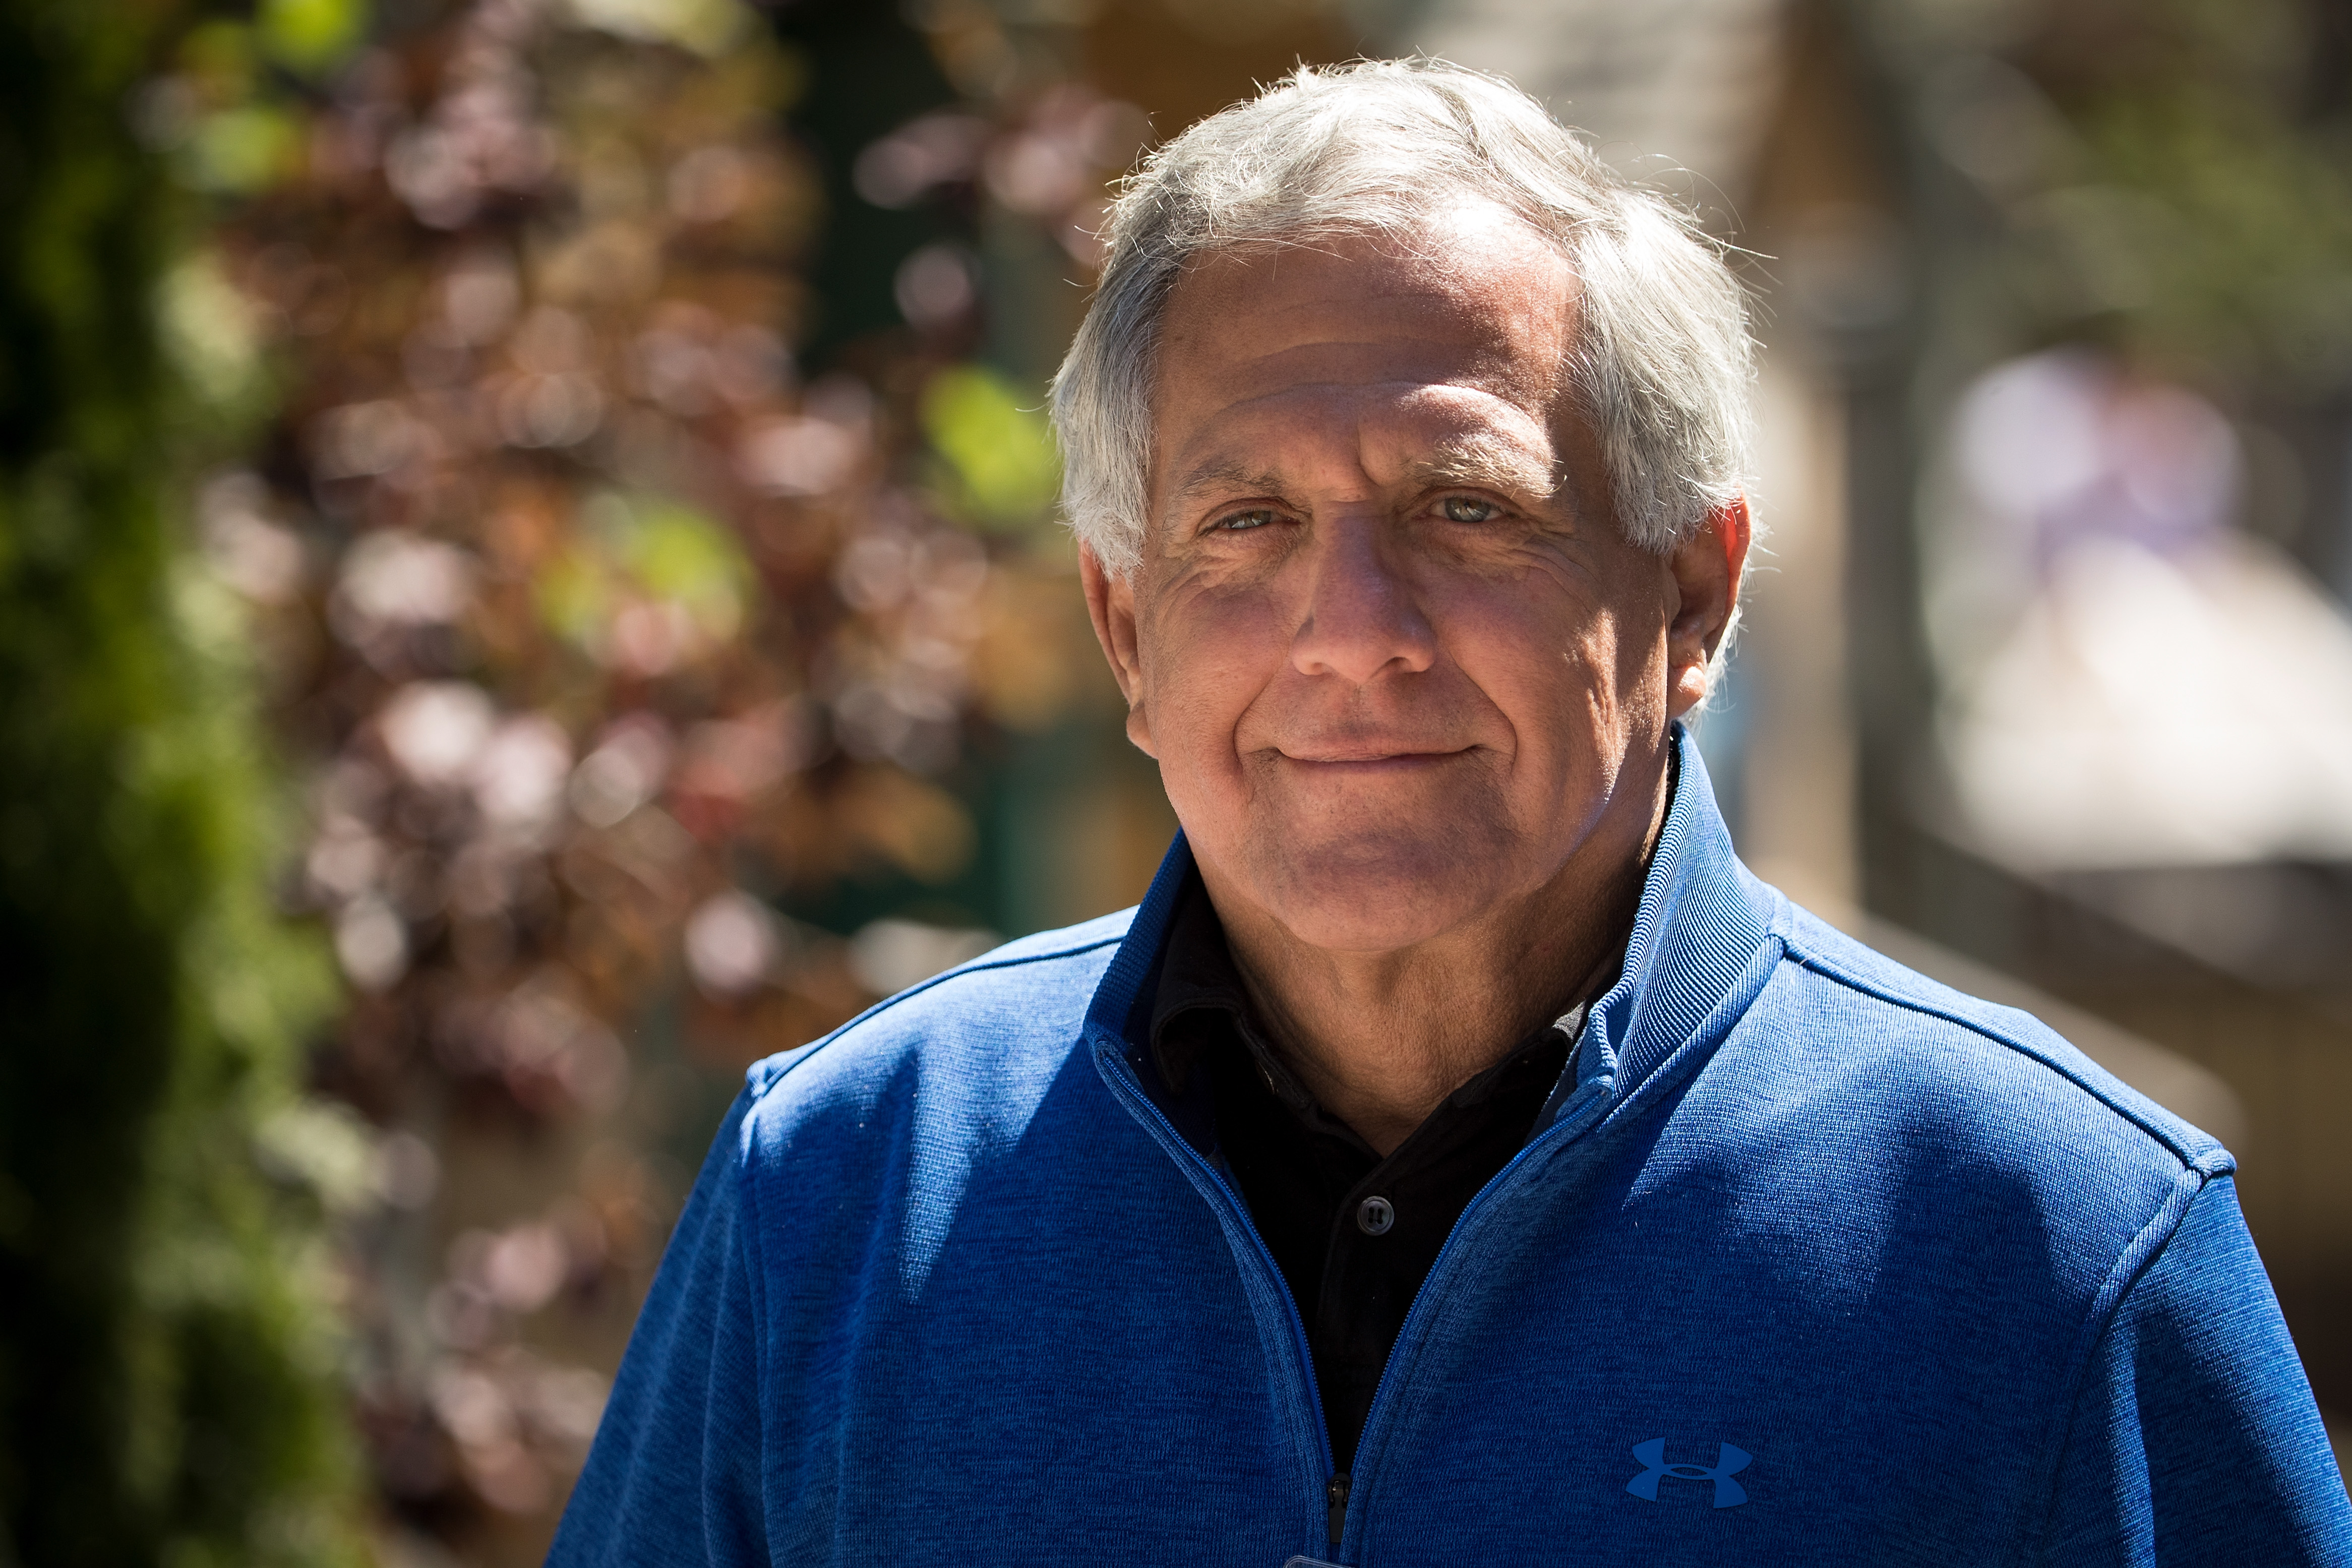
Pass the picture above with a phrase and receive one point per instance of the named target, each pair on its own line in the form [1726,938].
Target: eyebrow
[1493,462]
[1222,473]
[1480,459]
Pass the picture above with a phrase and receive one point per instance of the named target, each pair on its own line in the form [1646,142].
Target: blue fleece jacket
[1811,1260]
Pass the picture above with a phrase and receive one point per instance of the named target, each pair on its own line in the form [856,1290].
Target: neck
[1381,1038]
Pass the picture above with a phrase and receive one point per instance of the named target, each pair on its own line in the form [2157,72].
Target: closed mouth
[1370,760]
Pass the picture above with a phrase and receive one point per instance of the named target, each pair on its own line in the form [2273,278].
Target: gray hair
[1662,359]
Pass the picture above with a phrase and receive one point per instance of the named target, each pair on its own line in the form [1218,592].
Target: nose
[1363,620]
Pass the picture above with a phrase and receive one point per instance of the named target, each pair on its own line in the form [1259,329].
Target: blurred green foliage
[166,1362]
[650,552]
[310,36]
[1003,470]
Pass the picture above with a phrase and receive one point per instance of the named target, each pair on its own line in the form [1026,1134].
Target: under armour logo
[1728,1462]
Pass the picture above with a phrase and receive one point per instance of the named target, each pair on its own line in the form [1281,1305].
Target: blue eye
[1468,509]
[1245,520]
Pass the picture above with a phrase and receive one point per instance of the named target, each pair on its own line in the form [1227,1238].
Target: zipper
[1155,1122]
[1572,1121]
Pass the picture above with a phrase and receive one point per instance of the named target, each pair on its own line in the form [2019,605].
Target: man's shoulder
[988,1026]
[1945,1064]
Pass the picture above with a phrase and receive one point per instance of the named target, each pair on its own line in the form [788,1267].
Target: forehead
[1475,300]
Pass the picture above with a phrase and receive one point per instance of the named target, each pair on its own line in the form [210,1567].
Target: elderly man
[1458,1158]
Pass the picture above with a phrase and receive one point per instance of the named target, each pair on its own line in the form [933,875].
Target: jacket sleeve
[2194,1439]
[673,1478]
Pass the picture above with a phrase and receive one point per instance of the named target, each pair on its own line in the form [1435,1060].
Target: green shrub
[166,1377]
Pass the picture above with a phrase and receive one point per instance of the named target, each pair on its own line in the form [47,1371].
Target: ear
[1707,569]
[1110,605]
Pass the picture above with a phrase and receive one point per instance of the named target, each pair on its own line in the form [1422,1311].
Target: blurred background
[528,582]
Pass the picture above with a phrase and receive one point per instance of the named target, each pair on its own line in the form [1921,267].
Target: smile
[1370,761]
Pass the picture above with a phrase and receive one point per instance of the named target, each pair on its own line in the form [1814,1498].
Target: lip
[1369,761]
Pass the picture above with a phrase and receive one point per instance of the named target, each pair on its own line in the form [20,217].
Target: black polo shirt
[1353,1234]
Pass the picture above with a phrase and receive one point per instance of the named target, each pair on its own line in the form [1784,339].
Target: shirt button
[1374,1215]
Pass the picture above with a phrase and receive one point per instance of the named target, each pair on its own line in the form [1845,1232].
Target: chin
[1370,898]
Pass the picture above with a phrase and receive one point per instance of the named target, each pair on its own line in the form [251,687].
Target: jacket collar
[1701,923]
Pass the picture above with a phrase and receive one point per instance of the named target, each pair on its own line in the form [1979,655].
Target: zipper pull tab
[1336,1493]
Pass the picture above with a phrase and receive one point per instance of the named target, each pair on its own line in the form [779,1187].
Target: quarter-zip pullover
[1808,1261]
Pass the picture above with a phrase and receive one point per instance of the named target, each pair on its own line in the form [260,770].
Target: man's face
[1398,664]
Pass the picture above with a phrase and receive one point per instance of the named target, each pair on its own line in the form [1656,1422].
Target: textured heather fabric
[1811,1261]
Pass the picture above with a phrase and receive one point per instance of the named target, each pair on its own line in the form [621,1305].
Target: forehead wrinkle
[1445,350]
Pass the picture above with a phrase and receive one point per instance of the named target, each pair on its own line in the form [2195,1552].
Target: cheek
[1540,657]
[1618,631]
[1573,676]
[1205,658]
